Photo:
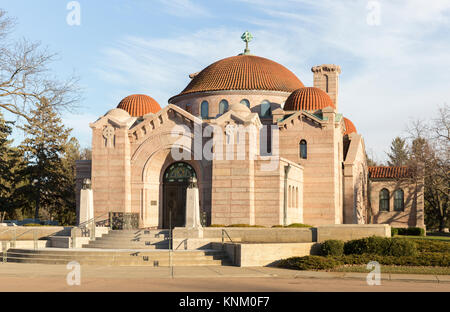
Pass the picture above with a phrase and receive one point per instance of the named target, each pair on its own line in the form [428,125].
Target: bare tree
[25,78]
[430,157]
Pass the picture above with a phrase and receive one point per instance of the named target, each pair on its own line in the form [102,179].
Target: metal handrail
[15,237]
[184,241]
[25,233]
[223,236]
[82,226]
[92,219]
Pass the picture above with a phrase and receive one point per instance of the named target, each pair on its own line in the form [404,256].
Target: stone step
[136,235]
[85,252]
[126,239]
[125,262]
[126,246]
[129,242]
[132,239]
[101,257]
[139,232]
[68,258]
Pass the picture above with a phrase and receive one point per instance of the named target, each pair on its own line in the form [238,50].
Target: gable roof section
[391,172]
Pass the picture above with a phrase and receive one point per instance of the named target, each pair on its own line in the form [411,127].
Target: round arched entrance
[175,182]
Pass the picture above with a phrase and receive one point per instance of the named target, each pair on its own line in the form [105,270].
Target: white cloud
[184,8]
[391,73]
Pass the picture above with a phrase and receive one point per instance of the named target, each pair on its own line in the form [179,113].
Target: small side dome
[138,105]
[240,108]
[118,113]
[308,98]
[349,127]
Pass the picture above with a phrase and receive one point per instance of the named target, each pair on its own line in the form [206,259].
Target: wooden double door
[175,182]
[174,204]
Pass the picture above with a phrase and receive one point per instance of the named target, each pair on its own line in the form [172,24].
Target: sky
[394,54]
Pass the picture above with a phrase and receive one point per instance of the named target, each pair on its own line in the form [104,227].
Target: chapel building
[264,148]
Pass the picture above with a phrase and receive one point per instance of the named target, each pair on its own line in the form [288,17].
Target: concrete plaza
[41,277]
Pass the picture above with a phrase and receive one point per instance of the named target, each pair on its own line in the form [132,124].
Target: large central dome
[244,72]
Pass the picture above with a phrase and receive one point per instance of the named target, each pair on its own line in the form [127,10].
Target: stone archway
[175,182]
[148,185]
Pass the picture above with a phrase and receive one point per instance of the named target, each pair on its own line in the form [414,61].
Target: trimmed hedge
[427,245]
[423,259]
[36,224]
[332,248]
[413,231]
[293,225]
[298,225]
[236,225]
[330,262]
[380,246]
[309,263]
[245,225]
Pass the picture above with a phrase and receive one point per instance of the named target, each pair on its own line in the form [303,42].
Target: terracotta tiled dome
[349,126]
[244,72]
[139,105]
[308,98]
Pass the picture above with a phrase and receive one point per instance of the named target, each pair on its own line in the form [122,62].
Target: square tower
[326,78]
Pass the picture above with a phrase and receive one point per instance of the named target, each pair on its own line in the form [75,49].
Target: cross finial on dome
[246,37]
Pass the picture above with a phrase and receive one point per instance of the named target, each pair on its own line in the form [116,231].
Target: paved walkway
[41,277]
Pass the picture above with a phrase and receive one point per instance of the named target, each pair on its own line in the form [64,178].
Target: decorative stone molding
[326,68]
[108,135]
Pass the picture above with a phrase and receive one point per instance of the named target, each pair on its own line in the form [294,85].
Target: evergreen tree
[9,164]
[50,180]
[399,152]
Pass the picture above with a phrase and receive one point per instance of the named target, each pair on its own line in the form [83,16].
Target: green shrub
[236,225]
[244,225]
[380,246]
[426,245]
[330,262]
[368,245]
[401,247]
[332,247]
[416,231]
[292,225]
[309,263]
[35,224]
[413,231]
[425,259]
[298,225]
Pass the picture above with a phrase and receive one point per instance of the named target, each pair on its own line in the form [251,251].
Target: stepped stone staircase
[123,248]
[132,239]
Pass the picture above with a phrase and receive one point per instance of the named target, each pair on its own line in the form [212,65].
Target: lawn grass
[395,269]
[440,238]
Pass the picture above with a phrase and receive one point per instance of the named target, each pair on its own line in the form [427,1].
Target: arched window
[245,102]
[326,83]
[303,149]
[384,200]
[223,106]
[399,204]
[265,109]
[205,110]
